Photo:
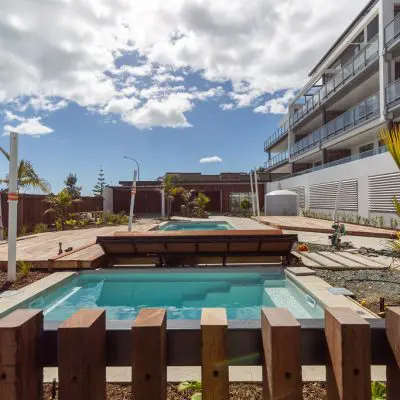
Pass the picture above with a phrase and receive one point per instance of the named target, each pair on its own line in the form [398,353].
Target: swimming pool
[196,226]
[183,294]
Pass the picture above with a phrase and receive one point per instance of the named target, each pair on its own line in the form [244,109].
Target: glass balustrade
[361,60]
[283,130]
[364,111]
[278,159]
[393,93]
[392,31]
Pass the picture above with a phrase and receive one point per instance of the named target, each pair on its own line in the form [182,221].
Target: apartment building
[327,148]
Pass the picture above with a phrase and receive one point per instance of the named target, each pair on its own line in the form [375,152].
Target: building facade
[327,148]
[225,191]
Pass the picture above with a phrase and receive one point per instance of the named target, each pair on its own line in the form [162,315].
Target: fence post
[282,366]
[393,368]
[21,373]
[214,365]
[348,336]
[81,356]
[149,355]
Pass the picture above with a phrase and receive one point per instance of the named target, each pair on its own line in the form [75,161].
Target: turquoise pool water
[196,226]
[183,294]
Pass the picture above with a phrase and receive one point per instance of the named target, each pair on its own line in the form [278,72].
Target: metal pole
[12,208]
[163,203]
[133,194]
[252,194]
[1,219]
[258,200]
[138,167]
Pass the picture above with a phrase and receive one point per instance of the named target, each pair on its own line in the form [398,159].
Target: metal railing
[282,131]
[392,30]
[278,159]
[393,92]
[361,60]
[364,111]
[344,160]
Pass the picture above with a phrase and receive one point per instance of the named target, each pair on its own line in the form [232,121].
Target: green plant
[365,221]
[23,268]
[187,197]
[59,224]
[378,391]
[201,202]
[40,228]
[170,191]
[358,219]
[24,230]
[381,221]
[395,223]
[191,386]
[98,188]
[245,205]
[71,185]
[71,223]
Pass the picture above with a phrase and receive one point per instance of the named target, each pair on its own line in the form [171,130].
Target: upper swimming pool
[196,226]
[184,293]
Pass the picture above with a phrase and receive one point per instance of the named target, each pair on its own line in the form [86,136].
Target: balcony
[281,132]
[279,159]
[392,31]
[345,160]
[365,111]
[358,63]
[393,93]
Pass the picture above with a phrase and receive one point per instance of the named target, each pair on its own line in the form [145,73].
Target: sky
[179,85]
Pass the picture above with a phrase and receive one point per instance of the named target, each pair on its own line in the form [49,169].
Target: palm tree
[27,177]
[170,190]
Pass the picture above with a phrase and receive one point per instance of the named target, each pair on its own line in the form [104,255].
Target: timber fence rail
[83,345]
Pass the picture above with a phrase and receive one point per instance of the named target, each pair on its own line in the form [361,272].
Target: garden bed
[238,391]
[33,276]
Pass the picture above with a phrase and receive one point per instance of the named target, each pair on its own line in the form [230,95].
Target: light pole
[138,168]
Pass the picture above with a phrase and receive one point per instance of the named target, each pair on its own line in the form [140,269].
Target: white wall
[108,203]
[360,170]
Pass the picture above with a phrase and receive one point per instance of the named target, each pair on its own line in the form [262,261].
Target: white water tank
[281,202]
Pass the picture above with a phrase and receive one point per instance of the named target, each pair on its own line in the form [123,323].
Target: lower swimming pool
[183,293]
[196,226]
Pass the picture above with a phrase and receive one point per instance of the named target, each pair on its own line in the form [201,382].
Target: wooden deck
[42,250]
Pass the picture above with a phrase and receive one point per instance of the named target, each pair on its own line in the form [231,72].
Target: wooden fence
[31,209]
[82,347]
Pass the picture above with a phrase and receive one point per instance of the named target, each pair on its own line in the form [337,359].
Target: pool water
[183,294]
[196,226]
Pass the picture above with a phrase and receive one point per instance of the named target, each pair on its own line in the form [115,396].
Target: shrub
[358,219]
[24,230]
[24,268]
[59,224]
[40,228]
[381,221]
[71,223]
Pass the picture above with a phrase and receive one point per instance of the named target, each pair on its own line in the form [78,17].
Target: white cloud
[9,116]
[259,47]
[30,126]
[208,160]
[278,105]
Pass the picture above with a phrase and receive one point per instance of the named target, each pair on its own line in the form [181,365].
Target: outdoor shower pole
[12,208]
[252,194]
[258,200]
[133,194]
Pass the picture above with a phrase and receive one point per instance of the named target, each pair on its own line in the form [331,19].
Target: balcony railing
[393,93]
[392,31]
[365,111]
[282,131]
[344,160]
[361,60]
[277,160]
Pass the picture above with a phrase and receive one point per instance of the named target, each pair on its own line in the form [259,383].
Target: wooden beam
[82,357]
[281,344]
[21,374]
[348,338]
[149,355]
[393,367]
[214,363]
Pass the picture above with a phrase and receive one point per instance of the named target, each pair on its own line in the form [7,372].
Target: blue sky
[167,82]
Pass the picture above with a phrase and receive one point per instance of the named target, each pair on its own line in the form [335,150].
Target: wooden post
[149,356]
[348,337]
[21,374]
[81,356]
[214,363]
[393,368]
[282,366]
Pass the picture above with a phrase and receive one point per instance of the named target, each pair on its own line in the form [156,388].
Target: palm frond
[391,139]
[396,204]
[5,153]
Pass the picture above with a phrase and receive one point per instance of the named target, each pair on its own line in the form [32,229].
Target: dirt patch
[238,391]
[33,276]
[367,285]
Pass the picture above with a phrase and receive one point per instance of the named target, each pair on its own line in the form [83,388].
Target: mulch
[238,391]
[21,281]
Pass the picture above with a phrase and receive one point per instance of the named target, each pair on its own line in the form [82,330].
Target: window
[366,149]
[235,200]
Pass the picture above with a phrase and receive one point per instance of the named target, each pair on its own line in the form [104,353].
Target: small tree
[60,206]
[245,205]
[201,202]
[98,188]
[187,196]
[170,190]
[71,185]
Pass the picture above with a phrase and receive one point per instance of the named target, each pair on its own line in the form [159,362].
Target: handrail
[394,26]
[351,68]
[278,159]
[277,135]
[365,110]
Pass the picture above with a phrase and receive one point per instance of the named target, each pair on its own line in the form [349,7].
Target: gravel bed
[367,285]
[21,281]
[238,391]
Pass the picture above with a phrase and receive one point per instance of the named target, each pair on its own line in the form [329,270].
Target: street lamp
[138,168]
